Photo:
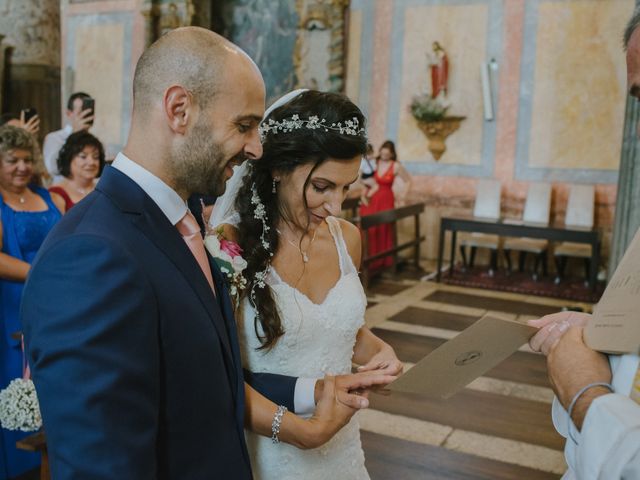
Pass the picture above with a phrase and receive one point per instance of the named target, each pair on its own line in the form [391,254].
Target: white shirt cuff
[304,396]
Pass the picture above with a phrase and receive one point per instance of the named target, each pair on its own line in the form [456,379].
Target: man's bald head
[192,57]
[197,103]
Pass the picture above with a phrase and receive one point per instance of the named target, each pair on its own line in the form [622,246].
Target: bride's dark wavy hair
[284,152]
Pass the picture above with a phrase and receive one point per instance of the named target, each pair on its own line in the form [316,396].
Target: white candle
[486,92]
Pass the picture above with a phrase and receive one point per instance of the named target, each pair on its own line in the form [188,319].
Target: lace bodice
[318,339]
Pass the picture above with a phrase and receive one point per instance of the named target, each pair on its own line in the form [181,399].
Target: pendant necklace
[81,191]
[305,256]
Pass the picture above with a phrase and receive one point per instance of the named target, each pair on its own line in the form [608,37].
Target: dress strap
[346,263]
[46,196]
[68,203]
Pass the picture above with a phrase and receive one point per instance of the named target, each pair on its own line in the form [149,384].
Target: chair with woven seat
[537,208]
[580,210]
[487,206]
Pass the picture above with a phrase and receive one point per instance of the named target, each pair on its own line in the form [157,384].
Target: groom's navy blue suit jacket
[135,362]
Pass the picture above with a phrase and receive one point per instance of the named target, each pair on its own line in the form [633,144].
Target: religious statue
[439,66]
[430,109]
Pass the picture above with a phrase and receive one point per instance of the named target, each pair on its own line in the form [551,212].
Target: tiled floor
[499,427]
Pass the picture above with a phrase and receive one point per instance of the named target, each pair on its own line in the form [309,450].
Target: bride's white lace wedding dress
[318,339]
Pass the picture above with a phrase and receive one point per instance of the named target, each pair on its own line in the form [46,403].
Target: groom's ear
[178,108]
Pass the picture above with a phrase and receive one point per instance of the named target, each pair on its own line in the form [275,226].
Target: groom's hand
[352,390]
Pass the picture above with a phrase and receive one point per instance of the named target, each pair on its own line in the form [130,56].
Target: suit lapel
[157,228]
[227,312]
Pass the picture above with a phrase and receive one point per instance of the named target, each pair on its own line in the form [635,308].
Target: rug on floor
[521,282]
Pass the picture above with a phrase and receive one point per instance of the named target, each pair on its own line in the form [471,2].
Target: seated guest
[78,119]
[80,162]
[27,214]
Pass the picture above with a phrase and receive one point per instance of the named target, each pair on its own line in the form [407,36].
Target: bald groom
[128,325]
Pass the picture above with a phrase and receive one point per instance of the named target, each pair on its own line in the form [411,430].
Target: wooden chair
[487,206]
[536,212]
[580,210]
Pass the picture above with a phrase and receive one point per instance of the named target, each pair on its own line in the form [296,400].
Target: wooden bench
[391,217]
[351,205]
[37,443]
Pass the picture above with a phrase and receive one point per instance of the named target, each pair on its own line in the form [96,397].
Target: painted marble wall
[558,96]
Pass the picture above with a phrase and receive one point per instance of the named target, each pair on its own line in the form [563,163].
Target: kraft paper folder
[615,324]
[461,360]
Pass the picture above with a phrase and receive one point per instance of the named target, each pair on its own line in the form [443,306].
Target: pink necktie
[190,231]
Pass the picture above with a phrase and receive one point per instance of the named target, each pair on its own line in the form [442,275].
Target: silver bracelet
[575,399]
[275,424]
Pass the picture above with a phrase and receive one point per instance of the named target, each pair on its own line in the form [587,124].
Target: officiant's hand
[572,365]
[353,389]
[552,327]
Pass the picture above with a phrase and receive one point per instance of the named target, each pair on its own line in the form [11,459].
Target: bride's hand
[352,389]
[384,362]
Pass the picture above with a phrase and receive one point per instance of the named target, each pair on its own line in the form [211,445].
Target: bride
[303,309]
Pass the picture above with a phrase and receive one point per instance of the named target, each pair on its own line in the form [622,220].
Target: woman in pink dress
[380,197]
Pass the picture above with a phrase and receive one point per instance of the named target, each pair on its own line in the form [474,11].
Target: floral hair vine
[260,213]
[350,127]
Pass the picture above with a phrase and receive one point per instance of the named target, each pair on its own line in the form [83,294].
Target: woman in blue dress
[27,214]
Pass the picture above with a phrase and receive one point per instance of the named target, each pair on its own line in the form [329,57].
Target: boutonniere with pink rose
[228,256]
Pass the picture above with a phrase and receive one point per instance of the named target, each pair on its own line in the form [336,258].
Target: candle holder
[437,132]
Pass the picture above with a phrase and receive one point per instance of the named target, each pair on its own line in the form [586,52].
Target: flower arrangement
[19,408]
[228,256]
[424,108]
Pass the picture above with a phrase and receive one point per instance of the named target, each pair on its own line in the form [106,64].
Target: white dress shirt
[609,443]
[174,209]
[53,142]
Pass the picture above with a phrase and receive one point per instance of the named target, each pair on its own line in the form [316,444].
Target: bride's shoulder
[352,239]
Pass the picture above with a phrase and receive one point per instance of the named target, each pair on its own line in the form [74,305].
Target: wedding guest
[77,120]
[367,165]
[32,125]
[379,198]
[27,214]
[80,162]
